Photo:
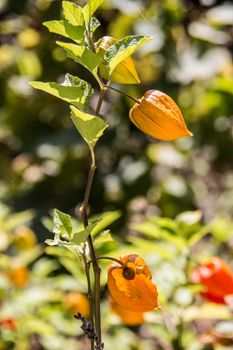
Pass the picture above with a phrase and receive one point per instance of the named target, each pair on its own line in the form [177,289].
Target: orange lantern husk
[216,278]
[157,115]
[131,286]
[127,317]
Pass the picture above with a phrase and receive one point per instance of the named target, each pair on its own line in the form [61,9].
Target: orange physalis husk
[131,286]
[159,116]
[127,317]
[125,72]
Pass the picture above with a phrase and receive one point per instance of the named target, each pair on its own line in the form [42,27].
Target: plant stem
[90,295]
[109,258]
[94,300]
[122,93]
[101,98]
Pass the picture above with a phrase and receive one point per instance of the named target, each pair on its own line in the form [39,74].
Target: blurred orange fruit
[18,276]
[77,302]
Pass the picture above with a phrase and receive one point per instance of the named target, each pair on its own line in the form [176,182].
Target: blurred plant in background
[43,165]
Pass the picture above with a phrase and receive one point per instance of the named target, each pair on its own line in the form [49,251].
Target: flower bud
[125,72]
[159,116]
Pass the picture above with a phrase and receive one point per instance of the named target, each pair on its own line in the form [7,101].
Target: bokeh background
[44,162]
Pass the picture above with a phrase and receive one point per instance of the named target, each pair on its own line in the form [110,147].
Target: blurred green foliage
[44,163]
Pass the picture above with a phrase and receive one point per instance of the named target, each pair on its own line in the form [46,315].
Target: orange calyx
[158,115]
[130,285]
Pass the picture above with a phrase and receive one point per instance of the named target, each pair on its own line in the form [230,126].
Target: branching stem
[122,93]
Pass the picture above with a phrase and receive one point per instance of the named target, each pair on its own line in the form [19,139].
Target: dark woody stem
[94,295]
[83,212]
[122,93]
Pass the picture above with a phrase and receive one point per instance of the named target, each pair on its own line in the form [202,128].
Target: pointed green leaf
[73,90]
[81,237]
[83,56]
[89,126]
[72,80]
[104,237]
[67,30]
[73,13]
[62,223]
[107,219]
[122,49]
[90,8]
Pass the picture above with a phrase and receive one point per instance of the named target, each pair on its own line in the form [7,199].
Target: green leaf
[148,228]
[90,8]
[107,219]
[89,126]
[197,236]
[104,237]
[73,13]
[62,223]
[67,30]
[72,90]
[71,80]
[122,49]
[81,237]
[83,56]
[145,246]
[153,231]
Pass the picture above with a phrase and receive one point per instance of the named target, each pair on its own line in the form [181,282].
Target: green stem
[123,93]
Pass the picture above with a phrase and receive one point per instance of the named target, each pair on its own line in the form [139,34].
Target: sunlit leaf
[81,237]
[67,30]
[89,126]
[82,55]
[90,8]
[103,238]
[62,222]
[72,90]
[107,218]
[122,49]
[73,13]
